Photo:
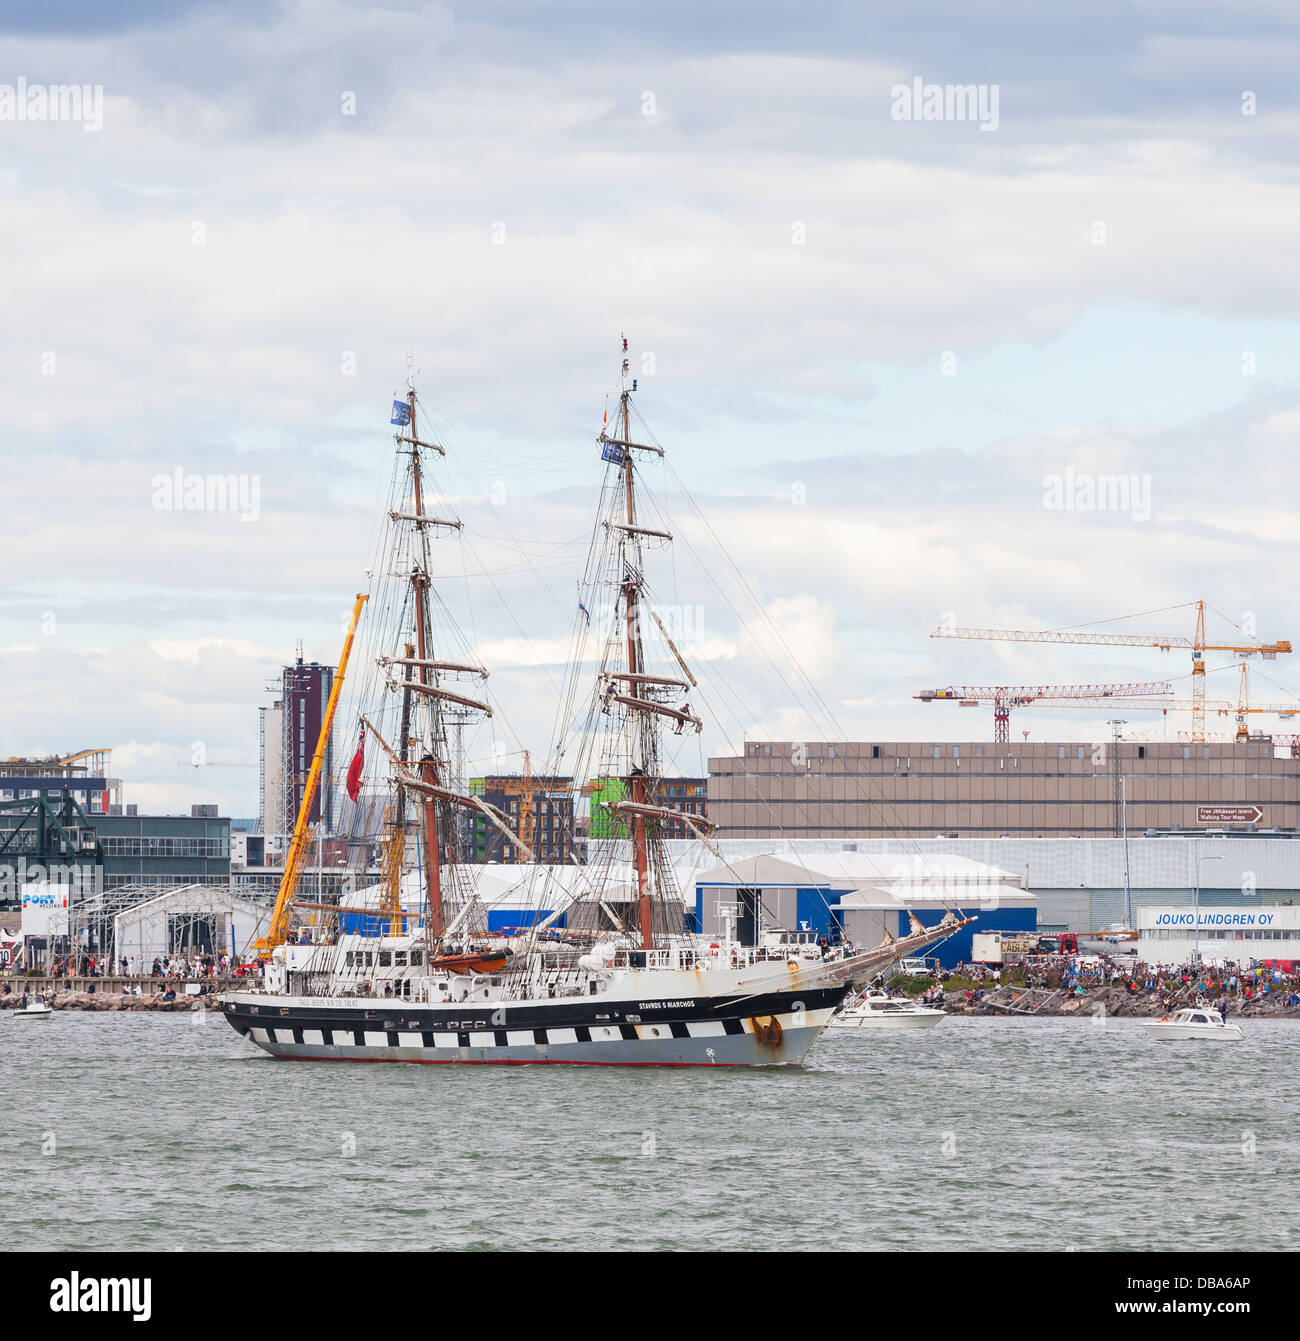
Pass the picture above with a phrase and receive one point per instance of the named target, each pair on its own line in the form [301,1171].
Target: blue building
[862,898]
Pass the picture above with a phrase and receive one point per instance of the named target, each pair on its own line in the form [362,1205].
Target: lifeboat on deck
[476,961]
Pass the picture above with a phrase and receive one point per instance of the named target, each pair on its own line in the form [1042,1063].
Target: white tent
[148,928]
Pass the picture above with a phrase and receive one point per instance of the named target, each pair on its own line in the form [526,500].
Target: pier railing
[63,984]
[727,956]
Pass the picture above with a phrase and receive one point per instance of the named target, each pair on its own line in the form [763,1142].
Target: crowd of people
[1169,985]
[1226,983]
[198,965]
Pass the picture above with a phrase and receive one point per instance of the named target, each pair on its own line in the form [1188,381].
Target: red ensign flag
[356,766]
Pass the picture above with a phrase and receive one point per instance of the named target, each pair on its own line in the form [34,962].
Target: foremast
[421,677]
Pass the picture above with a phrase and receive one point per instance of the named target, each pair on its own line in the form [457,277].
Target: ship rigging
[608,973]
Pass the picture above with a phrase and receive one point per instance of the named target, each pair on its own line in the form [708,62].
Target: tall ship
[609,969]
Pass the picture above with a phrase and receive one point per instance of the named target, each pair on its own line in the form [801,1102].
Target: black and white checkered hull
[774,1029]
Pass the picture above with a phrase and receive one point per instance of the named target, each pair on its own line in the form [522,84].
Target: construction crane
[1006,697]
[278,929]
[1242,709]
[1214,707]
[1196,644]
[527,823]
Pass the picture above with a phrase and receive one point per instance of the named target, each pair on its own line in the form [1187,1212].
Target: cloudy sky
[891,357]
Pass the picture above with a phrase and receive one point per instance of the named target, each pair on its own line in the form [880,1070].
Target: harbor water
[153,1131]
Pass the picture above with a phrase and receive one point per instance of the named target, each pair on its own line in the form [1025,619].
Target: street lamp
[1196,905]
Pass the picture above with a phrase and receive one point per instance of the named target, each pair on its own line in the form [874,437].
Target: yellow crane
[1197,644]
[1218,707]
[527,827]
[278,930]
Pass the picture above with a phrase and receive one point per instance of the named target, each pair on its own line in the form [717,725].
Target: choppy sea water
[147,1131]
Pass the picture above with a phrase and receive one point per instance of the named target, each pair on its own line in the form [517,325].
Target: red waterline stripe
[505,1061]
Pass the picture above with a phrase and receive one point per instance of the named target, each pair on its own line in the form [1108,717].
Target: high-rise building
[304,694]
[270,761]
[289,730]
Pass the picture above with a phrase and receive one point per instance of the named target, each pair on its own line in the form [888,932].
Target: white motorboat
[877,1011]
[35,1009]
[1194,1022]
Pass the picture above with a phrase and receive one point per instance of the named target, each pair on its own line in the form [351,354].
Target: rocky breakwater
[1111,1000]
[116,1001]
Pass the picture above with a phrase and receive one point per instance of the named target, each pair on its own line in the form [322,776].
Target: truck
[1005,947]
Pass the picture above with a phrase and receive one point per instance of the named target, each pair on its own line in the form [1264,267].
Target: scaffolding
[93,922]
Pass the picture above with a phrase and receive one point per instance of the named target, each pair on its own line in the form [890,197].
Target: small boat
[35,1009]
[481,961]
[1194,1022]
[885,1012]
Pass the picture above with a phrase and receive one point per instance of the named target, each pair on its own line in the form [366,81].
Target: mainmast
[636,689]
[632,611]
[428,771]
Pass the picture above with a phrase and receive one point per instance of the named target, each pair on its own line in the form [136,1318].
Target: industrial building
[84,776]
[1077,884]
[52,832]
[541,813]
[1175,935]
[862,898]
[793,789]
[189,849]
[689,795]
[113,850]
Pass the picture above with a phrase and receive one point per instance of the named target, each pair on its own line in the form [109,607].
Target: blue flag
[401,414]
[586,612]
[611,451]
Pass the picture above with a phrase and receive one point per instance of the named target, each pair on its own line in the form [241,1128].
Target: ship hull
[774,1029]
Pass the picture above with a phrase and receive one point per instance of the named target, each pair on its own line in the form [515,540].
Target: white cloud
[324,235]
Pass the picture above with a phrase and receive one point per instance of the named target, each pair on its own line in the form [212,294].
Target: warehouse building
[794,790]
[111,851]
[1219,935]
[1079,884]
[861,898]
